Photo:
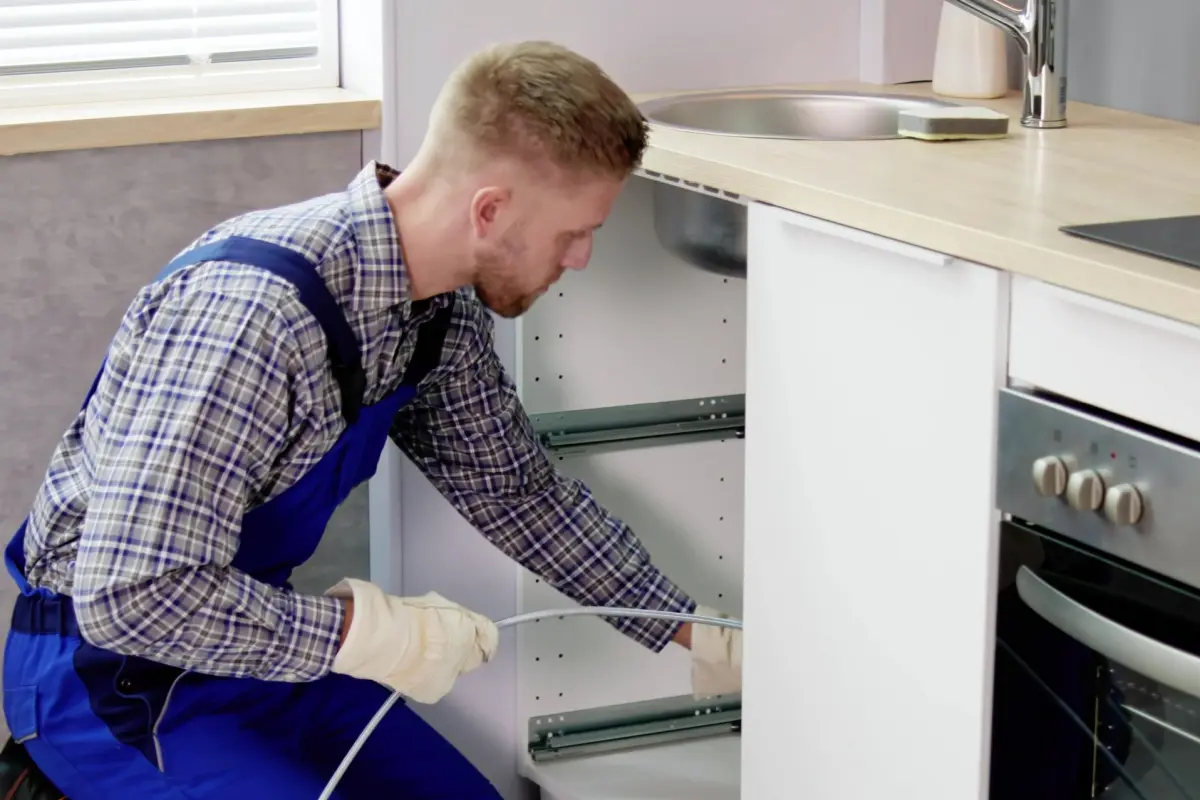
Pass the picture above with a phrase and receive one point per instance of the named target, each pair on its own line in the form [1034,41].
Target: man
[157,649]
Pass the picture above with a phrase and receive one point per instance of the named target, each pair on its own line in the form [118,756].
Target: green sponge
[946,123]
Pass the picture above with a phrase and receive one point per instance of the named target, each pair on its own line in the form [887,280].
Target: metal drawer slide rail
[641,425]
[632,725]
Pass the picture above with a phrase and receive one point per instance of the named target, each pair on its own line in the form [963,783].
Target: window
[73,51]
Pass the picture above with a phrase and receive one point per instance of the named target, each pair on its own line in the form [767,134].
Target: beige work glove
[415,645]
[716,657]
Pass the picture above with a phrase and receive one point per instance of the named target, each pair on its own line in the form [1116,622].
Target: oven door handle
[1160,662]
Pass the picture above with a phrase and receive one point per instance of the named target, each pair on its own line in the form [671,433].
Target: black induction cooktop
[1172,238]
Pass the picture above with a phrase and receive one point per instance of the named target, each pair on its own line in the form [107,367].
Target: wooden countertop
[994,202]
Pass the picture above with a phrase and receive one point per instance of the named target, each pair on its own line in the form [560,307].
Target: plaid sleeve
[468,433]
[194,406]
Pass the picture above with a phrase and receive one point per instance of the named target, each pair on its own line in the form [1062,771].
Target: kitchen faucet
[1040,27]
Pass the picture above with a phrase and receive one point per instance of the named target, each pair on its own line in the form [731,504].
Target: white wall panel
[663,45]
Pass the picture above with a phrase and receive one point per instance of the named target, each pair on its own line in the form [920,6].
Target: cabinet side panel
[685,504]
[637,326]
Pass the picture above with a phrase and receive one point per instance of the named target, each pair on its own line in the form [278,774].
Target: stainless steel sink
[786,113]
[700,229]
[710,232]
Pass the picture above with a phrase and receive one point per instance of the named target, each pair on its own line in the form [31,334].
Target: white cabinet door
[872,376]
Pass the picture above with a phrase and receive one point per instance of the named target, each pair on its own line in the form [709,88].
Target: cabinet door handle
[846,233]
[1159,662]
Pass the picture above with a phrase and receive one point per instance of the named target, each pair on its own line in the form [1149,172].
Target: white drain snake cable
[520,619]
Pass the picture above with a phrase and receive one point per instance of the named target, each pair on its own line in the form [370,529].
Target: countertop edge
[1095,278]
[42,129]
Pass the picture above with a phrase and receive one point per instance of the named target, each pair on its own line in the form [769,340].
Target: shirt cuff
[660,594]
[309,636]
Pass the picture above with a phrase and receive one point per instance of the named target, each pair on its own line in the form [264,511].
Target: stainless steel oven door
[1097,665]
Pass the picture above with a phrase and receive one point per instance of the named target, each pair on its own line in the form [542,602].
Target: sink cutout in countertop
[787,113]
[1174,239]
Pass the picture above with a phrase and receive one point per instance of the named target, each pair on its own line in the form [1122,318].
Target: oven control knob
[1123,504]
[1050,476]
[1085,490]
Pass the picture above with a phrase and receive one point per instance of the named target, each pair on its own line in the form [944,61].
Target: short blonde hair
[539,100]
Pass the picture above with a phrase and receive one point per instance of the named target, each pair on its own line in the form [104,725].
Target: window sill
[42,129]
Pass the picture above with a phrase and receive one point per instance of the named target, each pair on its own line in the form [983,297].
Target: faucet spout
[1040,28]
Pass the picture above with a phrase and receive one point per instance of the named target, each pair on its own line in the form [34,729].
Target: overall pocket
[21,712]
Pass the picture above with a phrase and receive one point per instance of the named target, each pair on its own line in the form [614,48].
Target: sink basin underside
[786,114]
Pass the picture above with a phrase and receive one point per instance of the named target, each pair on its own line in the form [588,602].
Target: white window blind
[80,50]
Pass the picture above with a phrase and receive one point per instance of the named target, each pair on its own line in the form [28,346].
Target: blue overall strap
[344,356]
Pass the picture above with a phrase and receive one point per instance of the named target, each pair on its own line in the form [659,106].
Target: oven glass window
[1097,676]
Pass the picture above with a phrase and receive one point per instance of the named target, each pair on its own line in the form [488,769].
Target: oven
[1097,659]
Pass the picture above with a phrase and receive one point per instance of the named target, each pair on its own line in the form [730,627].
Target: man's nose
[578,256]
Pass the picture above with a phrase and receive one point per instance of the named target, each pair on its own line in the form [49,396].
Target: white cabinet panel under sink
[870,537]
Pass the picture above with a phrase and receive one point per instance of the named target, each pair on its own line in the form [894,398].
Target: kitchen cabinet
[870,538]
[637,341]
[852,526]
[637,334]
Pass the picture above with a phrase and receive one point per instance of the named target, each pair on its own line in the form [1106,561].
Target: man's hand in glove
[417,645]
[716,655]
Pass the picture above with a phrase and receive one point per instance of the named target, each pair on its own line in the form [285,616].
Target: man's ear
[487,209]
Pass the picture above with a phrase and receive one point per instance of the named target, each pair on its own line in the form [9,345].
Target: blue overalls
[103,725]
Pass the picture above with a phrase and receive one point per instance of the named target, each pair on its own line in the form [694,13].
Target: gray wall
[1140,56]
[1136,55]
[81,231]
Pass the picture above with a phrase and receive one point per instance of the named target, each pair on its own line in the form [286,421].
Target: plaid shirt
[216,397]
